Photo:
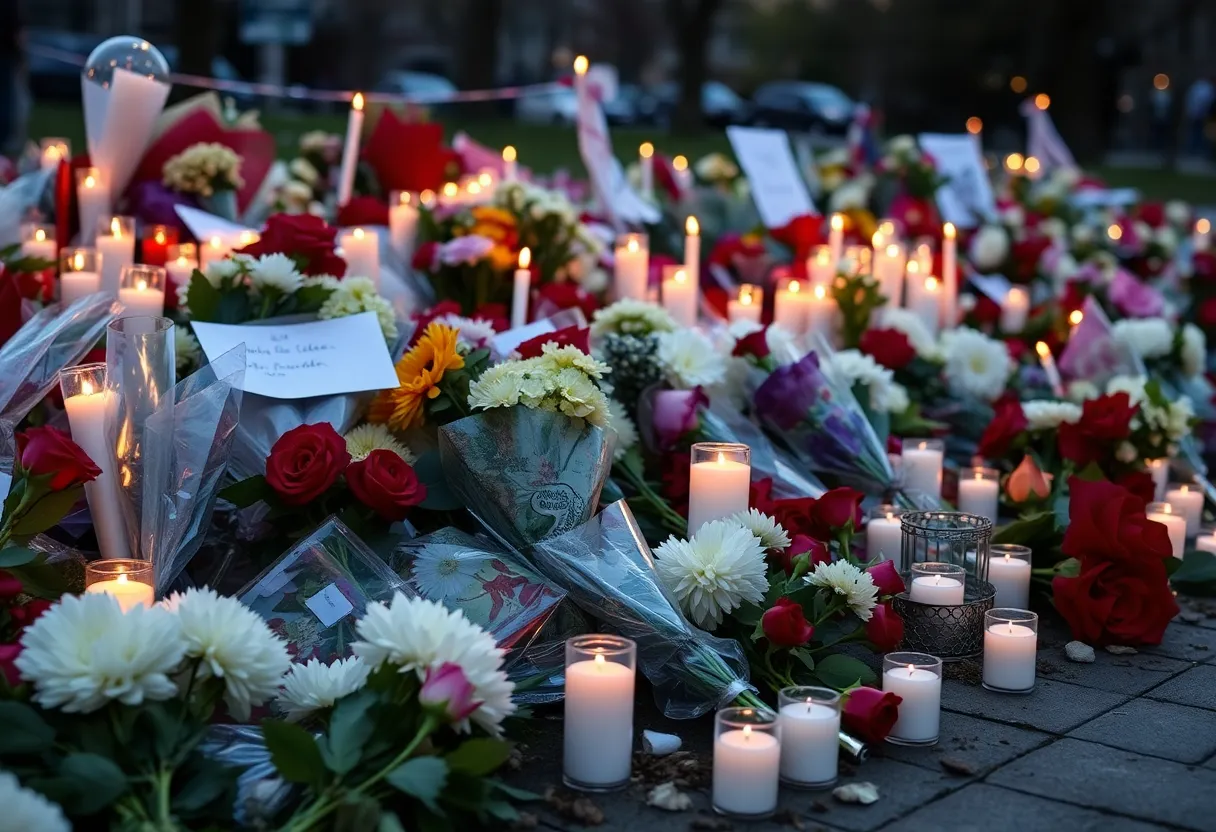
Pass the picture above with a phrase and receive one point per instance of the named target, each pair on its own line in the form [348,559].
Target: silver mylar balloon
[125,52]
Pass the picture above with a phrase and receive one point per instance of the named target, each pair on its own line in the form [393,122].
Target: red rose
[424,256]
[49,452]
[799,235]
[870,714]
[28,613]
[885,629]
[754,344]
[564,295]
[1026,255]
[1116,603]
[1008,423]
[10,585]
[986,310]
[1140,484]
[785,626]
[886,577]
[1105,422]
[1108,521]
[8,668]
[836,511]
[302,237]
[889,347]
[363,210]
[571,336]
[1203,265]
[816,551]
[385,483]
[305,462]
[794,514]
[495,313]
[1152,214]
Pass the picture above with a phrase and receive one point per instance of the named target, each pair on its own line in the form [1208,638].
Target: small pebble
[1079,651]
[1120,650]
[667,797]
[659,744]
[864,793]
[953,765]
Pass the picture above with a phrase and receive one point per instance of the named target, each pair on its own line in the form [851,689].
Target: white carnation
[845,579]
[314,686]
[1048,414]
[718,570]
[689,359]
[275,271]
[976,365]
[25,810]
[989,247]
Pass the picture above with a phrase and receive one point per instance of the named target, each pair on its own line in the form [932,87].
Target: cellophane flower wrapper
[767,460]
[526,474]
[261,792]
[1093,354]
[17,198]
[313,594]
[188,441]
[496,590]
[606,568]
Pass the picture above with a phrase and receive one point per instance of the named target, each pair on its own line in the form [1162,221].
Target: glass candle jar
[810,726]
[917,679]
[128,580]
[1009,573]
[598,728]
[1011,639]
[884,534]
[719,482]
[938,584]
[747,763]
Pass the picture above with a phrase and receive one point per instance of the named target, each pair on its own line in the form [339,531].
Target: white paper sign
[995,286]
[296,361]
[329,605]
[777,185]
[204,226]
[607,176]
[506,342]
[967,196]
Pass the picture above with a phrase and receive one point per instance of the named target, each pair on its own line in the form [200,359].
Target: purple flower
[154,204]
[789,392]
[1133,298]
[465,250]
[447,693]
[675,413]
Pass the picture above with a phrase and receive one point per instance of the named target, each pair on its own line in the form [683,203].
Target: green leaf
[805,658]
[48,511]
[208,782]
[24,732]
[479,756]
[349,731]
[840,671]
[1068,568]
[311,298]
[248,491]
[501,810]
[203,298]
[233,308]
[389,823]
[520,795]
[16,556]
[1197,574]
[41,579]
[294,752]
[357,813]
[423,778]
[439,497]
[98,779]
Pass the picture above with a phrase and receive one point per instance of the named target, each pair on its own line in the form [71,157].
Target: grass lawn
[548,147]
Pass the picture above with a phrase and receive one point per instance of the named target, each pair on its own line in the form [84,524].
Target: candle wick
[122,578]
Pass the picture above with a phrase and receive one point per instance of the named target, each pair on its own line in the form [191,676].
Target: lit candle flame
[923,445]
[747,732]
[216,242]
[1076,316]
[1032,164]
[159,236]
[90,182]
[356,103]
[930,284]
[680,276]
[820,293]
[911,669]
[1114,231]
[975,125]
[599,660]
[1203,225]
[141,286]
[474,188]
[78,261]
[837,222]
[680,163]
[979,475]
[485,180]
[525,257]
[1042,101]
[948,231]
[892,251]
[426,197]
[1011,627]
[1013,161]
[1006,557]
[39,235]
[794,287]
[508,154]
[721,458]
[937,579]
[745,294]
[122,577]
[580,65]
[86,388]
[450,189]
[823,257]
[691,227]
[358,234]
[890,515]
[631,246]
[1184,489]
[646,150]
[115,227]
[1042,349]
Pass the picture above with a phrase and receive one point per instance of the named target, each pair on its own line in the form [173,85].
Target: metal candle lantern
[946,537]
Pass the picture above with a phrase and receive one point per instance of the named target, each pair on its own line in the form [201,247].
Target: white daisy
[976,365]
[277,272]
[232,643]
[444,573]
[25,810]
[689,360]
[624,428]
[1048,414]
[315,686]
[417,635]
[771,534]
[362,440]
[719,569]
[847,580]
[85,652]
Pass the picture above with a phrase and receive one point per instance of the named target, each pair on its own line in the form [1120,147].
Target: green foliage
[1197,574]
[423,778]
[294,752]
[857,296]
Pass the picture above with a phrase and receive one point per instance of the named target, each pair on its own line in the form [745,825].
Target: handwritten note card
[777,185]
[967,196]
[295,361]
[329,605]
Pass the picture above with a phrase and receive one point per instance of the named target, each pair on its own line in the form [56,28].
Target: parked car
[425,87]
[720,105]
[803,106]
[556,106]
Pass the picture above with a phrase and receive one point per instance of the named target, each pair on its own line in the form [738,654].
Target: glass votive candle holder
[922,466]
[748,306]
[53,150]
[747,763]
[884,533]
[917,679]
[1187,500]
[719,482]
[157,240]
[128,580]
[937,584]
[79,274]
[810,726]
[141,291]
[38,240]
[598,735]
[631,274]
[1009,573]
[979,491]
[1011,641]
[1206,542]
[1174,522]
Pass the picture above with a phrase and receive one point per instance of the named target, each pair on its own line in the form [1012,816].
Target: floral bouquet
[211,172]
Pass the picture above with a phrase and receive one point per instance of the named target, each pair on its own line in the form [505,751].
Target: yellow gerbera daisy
[418,375]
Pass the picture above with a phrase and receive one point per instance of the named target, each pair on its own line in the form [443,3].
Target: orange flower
[418,375]
[1027,482]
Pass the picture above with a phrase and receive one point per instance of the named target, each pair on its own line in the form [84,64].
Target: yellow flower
[502,258]
[490,214]
[418,375]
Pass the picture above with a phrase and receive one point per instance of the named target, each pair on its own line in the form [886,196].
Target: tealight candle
[719,482]
[747,762]
[142,291]
[1188,502]
[884,534]
[924,297]
[1174,523]
[917,679]
[93,197]
[180,265]
[979,491]
[215,249]
[810,728]
[692,249]
[1009,573]
[38,240]
[523,285]
[1011,643]
[819,266]
[78,274]
[790,307]
[598,726]
[158,239]
[938,584]
[1015,309]
[130,581]
[747,307]
[361,250]
[922,466]
[116,248]
[1159,469]
[630,274]
[1207,542]
[403,217]
[679,294]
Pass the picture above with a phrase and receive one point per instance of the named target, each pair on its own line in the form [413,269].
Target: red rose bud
[870,714]
[754,344]
[885,629]
[889,347]
[785,626]
[571,336]
[816,551]
[305,462]
[8,668]
[10,586]
[28,613]
[385,483]
[835,511]
[49,452]
[447,693]
[886,577]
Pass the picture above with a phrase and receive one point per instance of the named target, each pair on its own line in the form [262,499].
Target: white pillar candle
[350,150]
[129,593]
[937,590]
[1010,651]
[1048,363]
[924,258]
[920,711]
[87,412]
[93,198]
[1206,543]
[1201,237]
[924,297]
[889,264]
[1015,309]
[719,483]
[403,224]
[523,285]
[1188,502]
[181,270]
[979,493]
[679,294]
[949,276]
[510,166]
[820,313]
[142,300]
[1160,471]
[810,742]
[836,237]
[884,537]
[116,251]
[646,166]
[75,285]
[212,251]
[747,769]
[631,269]
[790,307]
[1010,577]
[683,176]
[820,267]
[747,307]
[39,241]
[361,251]
[598,725]
[1174,523]
[922,466]
[692,248]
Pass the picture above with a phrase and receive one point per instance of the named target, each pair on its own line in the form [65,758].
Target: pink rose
[447,693]
[1133,298]
[675,413]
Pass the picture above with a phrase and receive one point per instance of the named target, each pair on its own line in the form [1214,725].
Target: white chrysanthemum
[275,271]
[581,397]
[560,358]
[325,281]
[976,365]
[416,635]
[218,271]
[631,317]
[845,579]
[1048,414]
[315,686]
[186,348]
[689,359]
[85,652]
[891,399]
[913,326]
[232,643]
[498,386]
[363,439]
[1194,352]
[471,333]
[771,534]
[25,810]
[1145,337]
[624,428]
[443,573]
[853,368]
[719,569]
[783,345]
[989,247]
[1082,390]
[355,295]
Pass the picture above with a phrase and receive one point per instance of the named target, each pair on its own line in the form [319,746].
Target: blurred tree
[692,22]
[478,61]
